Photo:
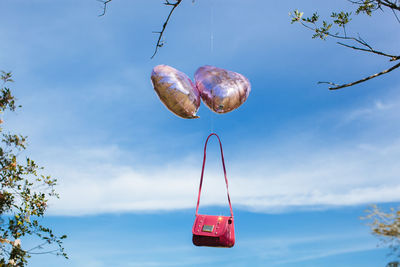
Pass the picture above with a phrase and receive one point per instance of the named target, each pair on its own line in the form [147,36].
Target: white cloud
[373,110]
[271,250]
[322,253]
[108,179]
[95,182]
[281,250]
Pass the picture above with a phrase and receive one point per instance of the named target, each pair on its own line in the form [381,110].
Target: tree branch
[105,2]
[40,246]
[358,40]
[338,86]
[160,43]
[323,32]
[389,4]
[397,18]
[44,252]
[392,57]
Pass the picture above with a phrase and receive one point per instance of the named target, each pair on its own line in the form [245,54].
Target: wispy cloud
[272,250]
[320,253]
[375,109]
[99,180]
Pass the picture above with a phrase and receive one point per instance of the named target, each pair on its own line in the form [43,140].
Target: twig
[394,13]
[105,2]
[40,246]
[330,83]
[338,86]
[159,42]
[358,40]
[390,4]
[44,252]
[392,57]
[386,3]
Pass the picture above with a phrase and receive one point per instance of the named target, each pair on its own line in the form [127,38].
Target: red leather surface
[219,224]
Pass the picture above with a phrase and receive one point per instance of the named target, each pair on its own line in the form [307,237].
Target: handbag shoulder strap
[202,173]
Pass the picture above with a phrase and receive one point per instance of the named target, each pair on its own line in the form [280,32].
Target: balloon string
[212,52]
[212,28]
[212,122]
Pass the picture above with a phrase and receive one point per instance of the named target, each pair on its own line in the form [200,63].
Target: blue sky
[303,162]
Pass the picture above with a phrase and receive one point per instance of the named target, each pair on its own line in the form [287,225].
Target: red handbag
[210,230]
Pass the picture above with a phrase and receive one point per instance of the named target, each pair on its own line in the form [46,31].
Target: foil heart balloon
[221,90]
[176,91]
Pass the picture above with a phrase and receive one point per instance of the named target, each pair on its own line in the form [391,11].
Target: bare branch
[392,57]
[44,252]
[338,86]
[389,4]
[159,41]
[105,2]
[330,83]
[40,246]
[394,13]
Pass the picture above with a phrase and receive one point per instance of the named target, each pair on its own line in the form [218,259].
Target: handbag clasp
[208,228]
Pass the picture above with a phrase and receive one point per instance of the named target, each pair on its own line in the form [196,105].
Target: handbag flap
[210,225]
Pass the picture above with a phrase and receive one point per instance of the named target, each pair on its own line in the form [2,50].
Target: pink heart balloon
[221,90]
[176,91]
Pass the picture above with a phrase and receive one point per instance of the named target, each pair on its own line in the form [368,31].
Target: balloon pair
[221,90]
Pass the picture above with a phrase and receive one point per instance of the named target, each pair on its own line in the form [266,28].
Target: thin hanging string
[212,28]
[212,51]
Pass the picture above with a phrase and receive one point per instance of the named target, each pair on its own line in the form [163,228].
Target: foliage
[386,226]
[335,28]
[24,194]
